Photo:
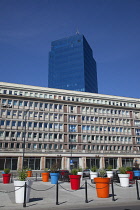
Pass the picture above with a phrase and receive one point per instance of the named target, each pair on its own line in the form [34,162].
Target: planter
[93,175]
[45,177]
[6,178]
[109,174]
[54,178]
[131,174]
[136,173]
[102,187]
[19,191]
[29,173]
[75,181]
[124,180]
[81,174]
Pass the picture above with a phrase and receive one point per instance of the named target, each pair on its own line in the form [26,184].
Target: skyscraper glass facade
[72,66]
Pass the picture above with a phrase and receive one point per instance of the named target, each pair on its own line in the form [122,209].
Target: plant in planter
[54,173]
[29,172]
[80,172]
[109,171]
[74,179]
[19,186]
[93,173]
[45,175]
[129,171]
[124,177]
[102,184]
[6,176]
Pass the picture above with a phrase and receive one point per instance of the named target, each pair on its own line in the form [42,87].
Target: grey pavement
[42,198]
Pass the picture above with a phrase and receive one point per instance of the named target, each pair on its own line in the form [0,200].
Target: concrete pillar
[42,163]
[119,162]
[102,162]
[19,163]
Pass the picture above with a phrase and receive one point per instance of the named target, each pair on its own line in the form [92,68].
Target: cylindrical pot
[109,174]
[124,180]
[19,190]
[80,173]
[54,178]
[131,174]
[29,173]
[45,177]
[75,181]
[93,175]
[136,173]
[102,187]
[6,178]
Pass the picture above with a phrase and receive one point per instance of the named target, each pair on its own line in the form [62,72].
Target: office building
[72,66]
[61,125]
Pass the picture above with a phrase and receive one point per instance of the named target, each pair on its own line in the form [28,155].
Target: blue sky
[111,27]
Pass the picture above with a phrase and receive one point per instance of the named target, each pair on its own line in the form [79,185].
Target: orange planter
[45,177]
[102,187]
[29,173]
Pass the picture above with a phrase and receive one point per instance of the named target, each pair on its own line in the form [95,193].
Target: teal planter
[136,173]
[54,178]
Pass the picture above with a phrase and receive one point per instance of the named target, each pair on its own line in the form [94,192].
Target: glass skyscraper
[72,66]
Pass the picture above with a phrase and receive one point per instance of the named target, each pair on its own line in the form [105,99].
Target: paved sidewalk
[41,198]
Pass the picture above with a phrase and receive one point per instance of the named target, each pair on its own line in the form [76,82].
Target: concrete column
[83,162]
[119,162]
[19,163]
[42,163]
[102,162]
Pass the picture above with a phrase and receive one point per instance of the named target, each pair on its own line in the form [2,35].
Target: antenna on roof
[77,32]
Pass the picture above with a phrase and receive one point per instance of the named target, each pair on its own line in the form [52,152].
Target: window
[13,123]
[20,103]
[7,123]
[15,103]
[72,128]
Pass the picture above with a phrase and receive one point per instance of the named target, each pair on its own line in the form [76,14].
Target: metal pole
[24,204]
[86,199]
[137,188]
[57,194]
[113,199]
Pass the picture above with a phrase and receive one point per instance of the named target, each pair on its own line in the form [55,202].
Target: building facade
[61,125]
[72,66]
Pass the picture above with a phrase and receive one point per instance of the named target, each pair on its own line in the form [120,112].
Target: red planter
[131,174]
[6,178]
[75,181]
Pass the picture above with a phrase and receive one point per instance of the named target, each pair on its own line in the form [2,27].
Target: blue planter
[3,172]
[136,173]
[54,178]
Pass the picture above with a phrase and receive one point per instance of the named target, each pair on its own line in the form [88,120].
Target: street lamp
[25,114]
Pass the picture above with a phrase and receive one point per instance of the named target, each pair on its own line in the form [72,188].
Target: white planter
[109,174]
[124,180]
[93,175]
[80,173]
[19,191]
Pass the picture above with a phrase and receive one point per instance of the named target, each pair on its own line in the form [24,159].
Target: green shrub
[128,168]
[109,168]
[74,171]
[54,168]
[80,169]
[46,170]
[22,174]
[6,170]
[122,170]
[102,172]
[94,169]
